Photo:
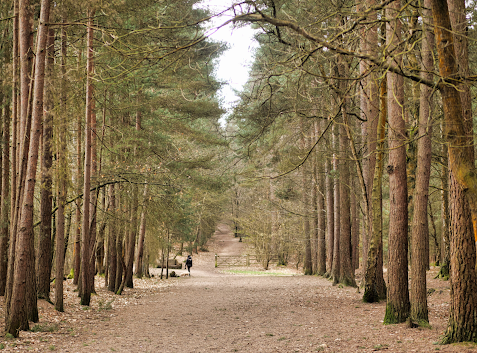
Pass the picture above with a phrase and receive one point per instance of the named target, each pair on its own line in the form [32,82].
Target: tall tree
[62,177]
[398,305]
[43,261]
[420,227]
[23,306]
[86,279]
[463,193]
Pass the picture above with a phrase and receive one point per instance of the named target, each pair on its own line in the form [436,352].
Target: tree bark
[62,182]
[112,246]
[5,201]
[346,275]
[329,217]
[462,324]
[25,43]
[371,290]
[308,264]
[85,293]
[321,262]
[79,182]
[131,246]
[7,265]
[335,271]
[23,306]
[142,234]
[43,264]
[420,226]
[398,305]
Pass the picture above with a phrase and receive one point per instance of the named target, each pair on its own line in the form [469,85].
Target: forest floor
[225,310]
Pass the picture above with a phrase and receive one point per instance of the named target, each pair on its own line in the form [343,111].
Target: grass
[44,328]
[255,273]
[105,305]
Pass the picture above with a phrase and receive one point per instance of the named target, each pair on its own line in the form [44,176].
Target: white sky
[233,66]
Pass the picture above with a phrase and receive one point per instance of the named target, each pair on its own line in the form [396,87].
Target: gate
[239,260]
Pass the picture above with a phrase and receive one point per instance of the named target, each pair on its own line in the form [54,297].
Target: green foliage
[44,328]
[71,275]
[102,305]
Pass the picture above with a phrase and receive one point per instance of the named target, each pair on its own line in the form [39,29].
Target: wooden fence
[241,260]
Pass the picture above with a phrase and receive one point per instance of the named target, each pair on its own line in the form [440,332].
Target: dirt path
[216,311]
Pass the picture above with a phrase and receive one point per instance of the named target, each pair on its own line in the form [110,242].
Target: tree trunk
[346,269]
[131,246]
[23,306]
[7,265]
[335,271]
[308,264]
[120,261]
[329,216]
[79,184]
[371,289]
[22,131]
[112,238]
[44,262]
[321,262]
[354,226]
[397,306]
[142,234]
[462,324]
[85,293]
[363,104]
[372,125]
[314,202]
[5,179]
[420,226]
[444,270]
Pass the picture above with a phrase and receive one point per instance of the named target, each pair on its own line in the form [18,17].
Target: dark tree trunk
[346,275]
[85,293]
[308,264]
[321,262]
[335,271]
[329,217]
[5,179]
[131,246]
[112,246]
[142,234]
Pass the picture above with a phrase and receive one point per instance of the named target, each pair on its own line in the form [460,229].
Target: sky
[233,65]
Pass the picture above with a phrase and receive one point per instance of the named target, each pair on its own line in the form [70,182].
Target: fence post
[215,260]
[248,260]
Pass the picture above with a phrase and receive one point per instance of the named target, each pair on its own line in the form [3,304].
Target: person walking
[188,263]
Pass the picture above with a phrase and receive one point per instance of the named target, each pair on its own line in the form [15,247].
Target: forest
[351,146]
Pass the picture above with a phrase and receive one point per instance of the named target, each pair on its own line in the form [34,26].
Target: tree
[420,227]
[86,279]
[462,324]
[397,305]
[23,306]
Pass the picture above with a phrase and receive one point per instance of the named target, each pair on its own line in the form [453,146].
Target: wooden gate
[240,260]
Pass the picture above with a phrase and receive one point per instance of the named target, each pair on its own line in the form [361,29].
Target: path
[216,312]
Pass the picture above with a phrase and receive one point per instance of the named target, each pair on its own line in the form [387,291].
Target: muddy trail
[219,310]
